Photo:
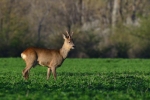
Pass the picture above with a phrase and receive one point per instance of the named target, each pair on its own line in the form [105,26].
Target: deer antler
[71,33]
[67,33]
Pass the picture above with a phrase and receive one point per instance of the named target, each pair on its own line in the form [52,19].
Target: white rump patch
[23,56]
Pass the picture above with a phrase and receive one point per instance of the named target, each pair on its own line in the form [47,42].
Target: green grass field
[77,79]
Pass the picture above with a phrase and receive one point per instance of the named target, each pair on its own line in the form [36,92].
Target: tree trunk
[114,12]
[81,18]
[40,27]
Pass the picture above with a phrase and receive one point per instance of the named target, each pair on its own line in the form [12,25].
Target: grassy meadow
[77,79]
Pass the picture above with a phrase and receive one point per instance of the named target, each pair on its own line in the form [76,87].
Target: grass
[78,79]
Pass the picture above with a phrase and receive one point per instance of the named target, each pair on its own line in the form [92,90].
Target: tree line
[102,28]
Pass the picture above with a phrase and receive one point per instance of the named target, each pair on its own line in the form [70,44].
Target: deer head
[68,43]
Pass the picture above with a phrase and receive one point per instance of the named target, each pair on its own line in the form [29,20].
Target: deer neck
[64,51]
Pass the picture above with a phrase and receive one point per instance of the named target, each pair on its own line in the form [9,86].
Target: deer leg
[54,72]
[26,75]
[48,72]
[25,72]
[29,65]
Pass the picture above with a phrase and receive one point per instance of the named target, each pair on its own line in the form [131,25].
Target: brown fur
[46,57]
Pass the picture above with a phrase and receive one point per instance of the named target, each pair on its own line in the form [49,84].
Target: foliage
[78,79]
[104,28]
[13,28]
[87,44]
[128,41]
[143,33]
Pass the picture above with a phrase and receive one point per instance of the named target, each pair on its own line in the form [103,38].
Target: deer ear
[64,36]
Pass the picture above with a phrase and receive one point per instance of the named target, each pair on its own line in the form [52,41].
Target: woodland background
[102,28]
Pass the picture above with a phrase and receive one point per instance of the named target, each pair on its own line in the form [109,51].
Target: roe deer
[50,58]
